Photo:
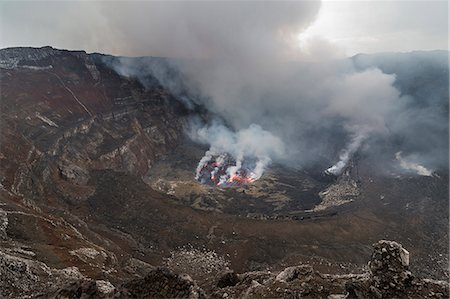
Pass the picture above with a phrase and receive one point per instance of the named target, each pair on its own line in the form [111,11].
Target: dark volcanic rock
[161,283]
[84,289]
[390,277]
[291,273]
[73,173]
[389,260]
[228,279]
[25,277]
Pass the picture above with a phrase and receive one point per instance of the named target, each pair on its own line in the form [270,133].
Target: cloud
[242,61]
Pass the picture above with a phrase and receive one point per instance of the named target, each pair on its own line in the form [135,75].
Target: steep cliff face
[66,115]
[61,110]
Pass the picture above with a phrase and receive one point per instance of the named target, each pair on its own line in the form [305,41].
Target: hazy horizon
[183,29]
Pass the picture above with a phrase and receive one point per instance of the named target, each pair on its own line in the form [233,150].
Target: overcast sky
[154,28]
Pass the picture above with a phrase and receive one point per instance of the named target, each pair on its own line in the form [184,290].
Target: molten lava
[223,171]
[240,179]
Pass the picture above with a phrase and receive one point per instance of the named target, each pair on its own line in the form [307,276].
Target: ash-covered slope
[97,183]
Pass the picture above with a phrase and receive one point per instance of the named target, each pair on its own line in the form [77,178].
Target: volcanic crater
[98,174]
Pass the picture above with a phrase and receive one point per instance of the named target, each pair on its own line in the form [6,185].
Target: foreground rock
[158,283]
[23,277]
[85,288]
[388,277]
[161,283]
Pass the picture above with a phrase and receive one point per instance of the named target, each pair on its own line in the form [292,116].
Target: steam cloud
[242,62]
[411,166]
[346,154]
[252,143]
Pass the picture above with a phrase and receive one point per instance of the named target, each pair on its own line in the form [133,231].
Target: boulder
[161,283]
[389,277]
[73,173]
[291,273]
[227,279]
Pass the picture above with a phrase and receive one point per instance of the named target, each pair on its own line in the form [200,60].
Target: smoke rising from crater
[252,146]
[346,154]
[243,63]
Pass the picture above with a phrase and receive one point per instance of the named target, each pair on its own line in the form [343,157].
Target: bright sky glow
[375,26]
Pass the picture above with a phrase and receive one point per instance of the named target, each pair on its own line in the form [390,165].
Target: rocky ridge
[388,277]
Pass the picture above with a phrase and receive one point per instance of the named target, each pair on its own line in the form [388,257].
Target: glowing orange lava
[217,173]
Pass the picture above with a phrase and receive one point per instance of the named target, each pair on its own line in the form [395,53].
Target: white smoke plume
[412,166]
[244,60]
[247,61]
[252,147]
[346,154]
[203,161]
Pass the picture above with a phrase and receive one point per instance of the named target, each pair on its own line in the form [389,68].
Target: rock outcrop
[25,277]
[388,277]
[161,283]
